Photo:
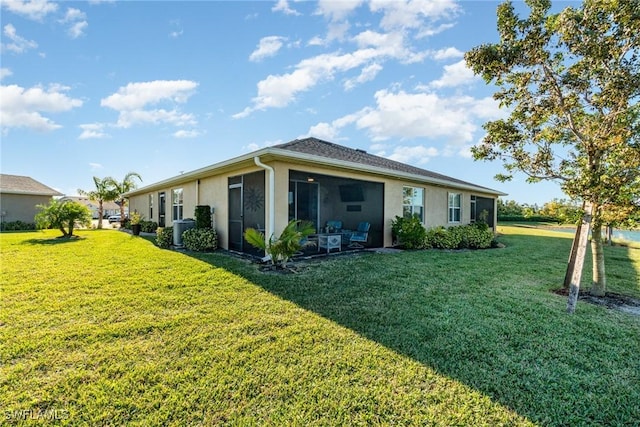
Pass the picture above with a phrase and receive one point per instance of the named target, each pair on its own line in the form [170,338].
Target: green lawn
[110,330]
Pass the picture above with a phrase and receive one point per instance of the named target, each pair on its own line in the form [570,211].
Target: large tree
[104,192]
[571,82]
[121,188]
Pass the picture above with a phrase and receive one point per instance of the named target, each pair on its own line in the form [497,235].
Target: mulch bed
[611,300]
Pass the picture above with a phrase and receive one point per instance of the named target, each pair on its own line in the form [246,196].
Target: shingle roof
[16,184]
[318,147]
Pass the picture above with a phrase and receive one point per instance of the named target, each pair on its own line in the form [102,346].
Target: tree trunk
[572,257]
[599,285]
[581,249]
[100,214]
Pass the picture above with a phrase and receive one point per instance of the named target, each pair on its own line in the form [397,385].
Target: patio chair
[361,235]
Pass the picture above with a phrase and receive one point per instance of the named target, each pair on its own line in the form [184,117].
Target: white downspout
[271,212]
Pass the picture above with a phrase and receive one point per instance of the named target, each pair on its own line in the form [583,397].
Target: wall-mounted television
[351,193]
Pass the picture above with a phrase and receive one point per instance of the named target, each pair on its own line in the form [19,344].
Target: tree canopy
[64,216]
[571,82]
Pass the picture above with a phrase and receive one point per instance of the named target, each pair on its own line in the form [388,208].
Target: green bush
[17,226]
[460,237]
[164,237]
[442,238]
[148,226]
[203,216]
[200,239]
[409,232]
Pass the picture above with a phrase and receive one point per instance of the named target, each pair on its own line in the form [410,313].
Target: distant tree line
[561,211]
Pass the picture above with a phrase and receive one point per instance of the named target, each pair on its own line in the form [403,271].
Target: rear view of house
[317,181]
[19,196]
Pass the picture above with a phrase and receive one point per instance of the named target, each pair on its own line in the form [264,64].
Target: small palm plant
[280,250]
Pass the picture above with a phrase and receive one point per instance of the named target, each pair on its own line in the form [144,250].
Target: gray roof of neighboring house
[92,203]
[315,151]
[16,184]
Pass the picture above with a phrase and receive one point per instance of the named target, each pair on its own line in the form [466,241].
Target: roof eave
[279,153]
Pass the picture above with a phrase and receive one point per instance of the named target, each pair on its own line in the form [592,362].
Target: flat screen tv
[351,193]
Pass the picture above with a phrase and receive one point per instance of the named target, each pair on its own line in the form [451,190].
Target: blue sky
[101,88]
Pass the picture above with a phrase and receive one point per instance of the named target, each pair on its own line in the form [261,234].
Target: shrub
[203,216]
[281,249]
[148,226]
[164,237]
[409,232]
[460,237]
[17,226]
[442,238]
[200,239]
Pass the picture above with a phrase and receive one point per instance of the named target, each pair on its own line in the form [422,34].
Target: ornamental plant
[200,239]
[164,237]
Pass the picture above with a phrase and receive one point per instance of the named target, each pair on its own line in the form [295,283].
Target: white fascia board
[310,158]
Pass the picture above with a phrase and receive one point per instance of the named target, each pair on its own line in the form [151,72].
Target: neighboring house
[19,196]
[315,180]
[108,208]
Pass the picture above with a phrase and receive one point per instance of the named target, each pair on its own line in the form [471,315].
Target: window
[151,207]
[413,202]
[473,209]
[454,207]
[177,204]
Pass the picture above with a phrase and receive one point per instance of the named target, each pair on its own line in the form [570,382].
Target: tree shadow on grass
[53,240]
[484,318]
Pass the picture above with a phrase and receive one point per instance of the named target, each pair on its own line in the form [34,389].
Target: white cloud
[77,29]
[137,95]
[22,108]
[76,19]
[95,166]
[93,131]
[18,44]
[448,53]
[417,154]
[367,74]
[132,100]
[186,133]
[455,75]
[267,47]
[337,10]
[283,6]
[31,9]
[254,146]
[277,91]
[5,72]
[421,115]
[405,14]
[128,118]
[331,131]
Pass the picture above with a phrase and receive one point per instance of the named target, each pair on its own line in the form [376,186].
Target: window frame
[409,209]
[472,209]
[177,204]
[453,209]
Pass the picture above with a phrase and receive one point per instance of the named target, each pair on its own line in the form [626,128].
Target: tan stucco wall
[213,191]
[21,207]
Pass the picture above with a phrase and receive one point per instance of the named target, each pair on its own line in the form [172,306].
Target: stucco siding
[214,191]
[20,207]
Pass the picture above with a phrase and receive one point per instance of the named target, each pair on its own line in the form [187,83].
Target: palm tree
[121,188]
[103,193]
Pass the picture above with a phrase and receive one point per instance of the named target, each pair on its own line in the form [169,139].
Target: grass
[110,330]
